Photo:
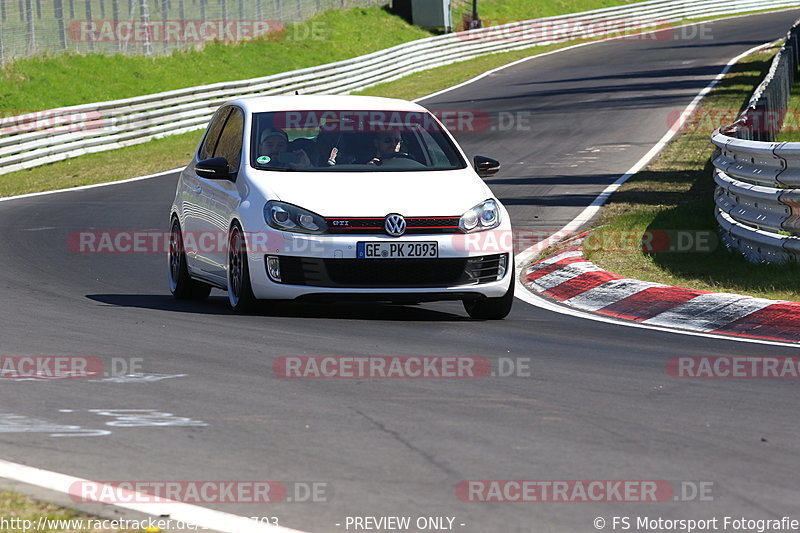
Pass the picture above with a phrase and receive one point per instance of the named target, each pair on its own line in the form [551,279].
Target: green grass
[173,152]
[40,83]
[675,192]
[502,11]
[113,165]
[14,505]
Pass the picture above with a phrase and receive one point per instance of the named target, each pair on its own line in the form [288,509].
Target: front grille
[395,272]
[375,225]
[389,273]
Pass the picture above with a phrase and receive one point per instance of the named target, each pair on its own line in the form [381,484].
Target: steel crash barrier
[758,179]
[44,137]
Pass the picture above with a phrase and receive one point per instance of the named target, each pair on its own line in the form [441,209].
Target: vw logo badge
[395,225]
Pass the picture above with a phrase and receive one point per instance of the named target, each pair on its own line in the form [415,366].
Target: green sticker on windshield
[263,160]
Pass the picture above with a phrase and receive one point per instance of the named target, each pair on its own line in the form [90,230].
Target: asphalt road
[598,404]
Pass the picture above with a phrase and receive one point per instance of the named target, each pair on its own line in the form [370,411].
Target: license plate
[397,250]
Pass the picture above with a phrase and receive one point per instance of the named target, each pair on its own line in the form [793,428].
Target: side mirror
[215,168]
[486,166]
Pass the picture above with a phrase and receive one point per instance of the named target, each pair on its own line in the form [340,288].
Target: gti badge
[395,225]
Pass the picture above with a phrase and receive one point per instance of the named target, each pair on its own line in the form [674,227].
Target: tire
[491,308]
[182,286]
[240,291]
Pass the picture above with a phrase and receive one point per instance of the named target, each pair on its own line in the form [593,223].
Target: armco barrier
[38,138]
[758,179]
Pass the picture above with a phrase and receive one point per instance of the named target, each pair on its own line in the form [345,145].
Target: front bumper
[468,266]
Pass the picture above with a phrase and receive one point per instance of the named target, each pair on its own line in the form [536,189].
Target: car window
[212,134]
[435,153]
[352,141]
[230,140]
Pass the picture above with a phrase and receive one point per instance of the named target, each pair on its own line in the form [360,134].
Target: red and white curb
[569,278]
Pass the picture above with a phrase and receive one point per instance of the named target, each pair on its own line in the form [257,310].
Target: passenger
[274,144]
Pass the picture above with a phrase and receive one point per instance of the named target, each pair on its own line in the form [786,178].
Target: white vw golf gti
[335,198]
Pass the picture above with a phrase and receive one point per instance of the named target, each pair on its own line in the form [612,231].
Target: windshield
[351,141]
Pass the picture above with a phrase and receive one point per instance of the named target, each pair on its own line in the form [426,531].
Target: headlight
[288,217]
[485,215]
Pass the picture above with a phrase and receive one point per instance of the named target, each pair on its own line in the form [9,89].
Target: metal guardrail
[38,138]
[758,180]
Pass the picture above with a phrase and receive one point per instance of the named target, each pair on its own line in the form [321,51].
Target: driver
[385,144]
[275,145]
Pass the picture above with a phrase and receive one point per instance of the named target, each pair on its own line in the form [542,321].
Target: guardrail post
[31,27]
[759,119]
[88,6]
[58,12]
[2,52]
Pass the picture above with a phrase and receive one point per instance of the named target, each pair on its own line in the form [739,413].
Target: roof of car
[261,104]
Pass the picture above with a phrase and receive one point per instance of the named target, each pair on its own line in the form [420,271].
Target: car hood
[376,194]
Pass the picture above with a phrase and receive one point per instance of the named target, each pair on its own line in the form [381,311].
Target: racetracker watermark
[582,491]
[259,242]
[13,122]
[571,29]
[705,121]
[652,241]
[200,492]
[649,241]
[455,120]
[483,242]
[66,366]
[193,31]
[45,523]
[159,242]
[398,367]
[733,367]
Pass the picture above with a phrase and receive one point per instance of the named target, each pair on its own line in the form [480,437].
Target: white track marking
[138,378]
[609,292]
[12,423]
[201,516]
[93,186]
[708,312]
[529,297]
[563,275]
[554,259]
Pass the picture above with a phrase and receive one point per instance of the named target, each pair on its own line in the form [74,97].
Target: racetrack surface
[599,403]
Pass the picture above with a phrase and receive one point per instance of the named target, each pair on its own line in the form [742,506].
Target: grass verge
[676,193]
[175,151]
[113,165]
[496,12]
[20,507]
[38,83]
